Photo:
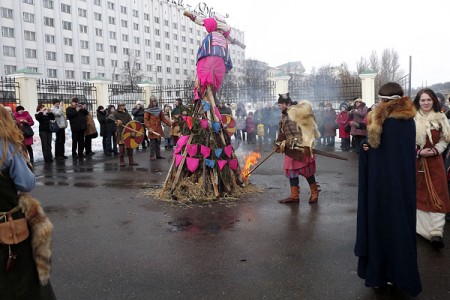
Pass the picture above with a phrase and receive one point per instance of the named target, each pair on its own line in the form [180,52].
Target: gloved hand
[307,151]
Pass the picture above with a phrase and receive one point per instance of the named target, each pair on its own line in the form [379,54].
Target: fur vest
[41,235]
[302,114]
[426,122]
[402,109]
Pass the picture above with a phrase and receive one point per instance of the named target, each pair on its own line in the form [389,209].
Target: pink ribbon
[228,150]
[192,163]
[191,149]
[233,164]
[221,163]
[205,151]
[204,123]
[178,158]
[182,140]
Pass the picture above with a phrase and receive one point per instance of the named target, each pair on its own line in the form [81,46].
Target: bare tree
[362,65]
[131,73]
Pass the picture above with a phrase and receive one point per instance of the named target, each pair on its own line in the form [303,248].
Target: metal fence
[126,93]
[64,91]
[256,92]
[325,89]
[168,94]
[9,92]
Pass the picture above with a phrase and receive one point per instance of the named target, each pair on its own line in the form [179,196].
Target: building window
[136,26]
[110,5]
[27,17]
[98,2]
[146,17]
[148,54]
[175,25]
[67,25]
[147,29]
[84,44]
[156,31]
[167,57]
[168,70]
[166,34]
[28,1]
[149,68]
[124,23]
[98,32]
[175,37]
[68,58]
[138,66]
[137,53]
[156,20]
[67,41]
[30,53]
[136,40]
[50,55]
[177,60]
[177,71]
[167,46]
[158,68]
[101,75]
[135,13]
[83,28]
[34,69]
[49,39]
[183,39]
[65,8]
[86,75]
[70,74]
[147,42]
[114,63]
[9,32]
[100,62]
[99,47]
[82,12]
[126,51]
[9,51]
[29,35]
[125,37]
[113,49]
[49,22]
[85,60]
[112,20]
[48,4]
[166,23]
[7,13]
[123,9]
[10,69]
[112,35]
[97,16]
[158,56]
[158,44]
[52,73]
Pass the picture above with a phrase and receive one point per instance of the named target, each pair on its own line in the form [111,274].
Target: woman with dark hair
[432,137]
[386,222]
[24,118]
[43,116]
[111,131]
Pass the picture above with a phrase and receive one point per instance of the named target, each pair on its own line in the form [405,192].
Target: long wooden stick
[261,162]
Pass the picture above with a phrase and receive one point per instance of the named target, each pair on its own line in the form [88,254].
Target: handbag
[348,128]
[13,231]
[27,130]
[53,126]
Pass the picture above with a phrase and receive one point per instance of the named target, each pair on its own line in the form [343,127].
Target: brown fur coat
[303,115]
[41,235]
[402,108]
[424,125]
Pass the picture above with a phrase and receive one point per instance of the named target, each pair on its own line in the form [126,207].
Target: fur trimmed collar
[402,109]
[426,122]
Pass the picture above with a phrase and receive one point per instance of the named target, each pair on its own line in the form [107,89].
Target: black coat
[77,118]
[386,222]
[44,121]
[101,117]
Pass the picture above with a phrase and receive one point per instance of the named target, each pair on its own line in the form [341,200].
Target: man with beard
[122,118]
[296,136]
[153,117]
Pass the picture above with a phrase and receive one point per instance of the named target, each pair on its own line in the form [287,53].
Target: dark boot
[294,197]
[121,155]
[314,193]
[130,158]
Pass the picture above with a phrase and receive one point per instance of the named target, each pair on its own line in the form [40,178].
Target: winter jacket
[153,117]
[44,121]
[138,114]
[76,118]
[59,116]
[26,117]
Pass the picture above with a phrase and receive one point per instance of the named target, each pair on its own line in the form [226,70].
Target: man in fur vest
[296,136]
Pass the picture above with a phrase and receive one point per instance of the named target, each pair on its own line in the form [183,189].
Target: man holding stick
[153,117]
[296,136]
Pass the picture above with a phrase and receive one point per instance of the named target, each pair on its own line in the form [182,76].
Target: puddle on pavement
[122,184]
[200,227]
[85,184]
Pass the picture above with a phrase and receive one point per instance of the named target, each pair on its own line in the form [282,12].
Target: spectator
[432,137]
[250,128]
[43,116]
[90,133]
[60,140]
[329,125]
[76,113]
[357,115]
[167,129]
[24,118]
[138,115]
[111,131]
[344,127]
[178,111]
[101,118]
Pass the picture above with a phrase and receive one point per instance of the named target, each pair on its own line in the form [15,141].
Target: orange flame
[250,160]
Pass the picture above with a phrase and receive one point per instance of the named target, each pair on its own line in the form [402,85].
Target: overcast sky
[320,32]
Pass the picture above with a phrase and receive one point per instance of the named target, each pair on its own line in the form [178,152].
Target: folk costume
[27,274]
[432,131]
[386,221]
[297,132]
[122,118]
[153,117]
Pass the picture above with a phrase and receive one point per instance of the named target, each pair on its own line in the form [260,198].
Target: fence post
[368,87]
[27,80]
[148,90]
[281,84]
[101,86]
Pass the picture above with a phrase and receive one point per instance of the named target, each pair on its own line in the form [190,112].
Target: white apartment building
[84,39]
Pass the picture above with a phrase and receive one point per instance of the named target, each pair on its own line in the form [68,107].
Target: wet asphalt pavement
[113,241]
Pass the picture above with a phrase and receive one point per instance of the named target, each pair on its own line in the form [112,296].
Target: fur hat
[357,100]
[284,98]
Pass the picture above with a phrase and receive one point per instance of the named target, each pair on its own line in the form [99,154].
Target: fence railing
[168,94]
[9,92]
[64,91]
[126,93]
